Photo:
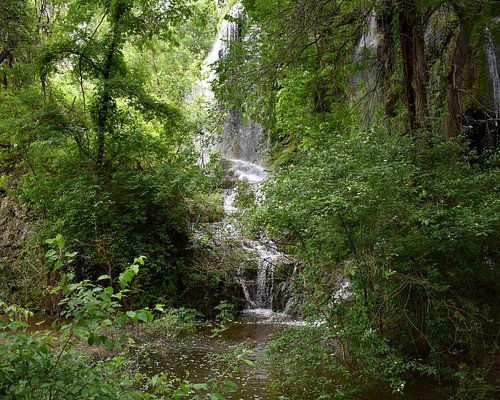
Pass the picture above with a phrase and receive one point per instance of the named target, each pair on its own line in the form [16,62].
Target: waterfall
[369,39]
[239,148]
[260,288]
[240,139]
[365,81]
[493,70]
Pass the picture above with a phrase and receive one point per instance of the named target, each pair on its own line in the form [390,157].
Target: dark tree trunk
[106,100]
[4,55]
[414,66]
[385,55]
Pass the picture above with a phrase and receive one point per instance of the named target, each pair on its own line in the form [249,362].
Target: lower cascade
[264,290]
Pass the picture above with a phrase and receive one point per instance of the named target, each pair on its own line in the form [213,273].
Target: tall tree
[16,32]
[414,65]
[92,41]
[467,14]
[385,54]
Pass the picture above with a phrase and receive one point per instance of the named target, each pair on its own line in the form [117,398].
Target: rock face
[14,231]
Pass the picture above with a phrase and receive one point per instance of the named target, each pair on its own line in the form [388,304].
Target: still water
[204,356]
[199,358]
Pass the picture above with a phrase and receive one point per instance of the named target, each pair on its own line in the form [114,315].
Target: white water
[239,148]
[369,39]
[258,285]
[493,70]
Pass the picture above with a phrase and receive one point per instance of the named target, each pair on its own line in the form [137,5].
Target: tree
[414,64]
[16,33]
[468,14]
[93,41]
[385,54]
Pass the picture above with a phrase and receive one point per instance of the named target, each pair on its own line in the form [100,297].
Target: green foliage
[305,367]
[103,153]
[408,226]
[40,364]
[57,364]
[173,322]
[304,62]
[245,196]
[109,220]
[226,311]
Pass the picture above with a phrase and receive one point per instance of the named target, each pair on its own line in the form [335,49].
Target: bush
[415,230]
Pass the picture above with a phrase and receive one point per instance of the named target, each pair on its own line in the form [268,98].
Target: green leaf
[14,325]
[122,320]
[50,252]
[80,332]
[107,344]
[61,242]
[230,384]
[125,278]
[107,322]
[43,348]
[58,265]
[200,386]
[159,307]
[139,260]
[131,314]
[103,277]
[141,315]
[108,290]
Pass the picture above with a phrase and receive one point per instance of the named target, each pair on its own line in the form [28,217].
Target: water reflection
[202,357]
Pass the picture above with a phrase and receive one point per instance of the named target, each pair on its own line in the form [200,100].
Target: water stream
[240,148]
[493,70]
[201,357]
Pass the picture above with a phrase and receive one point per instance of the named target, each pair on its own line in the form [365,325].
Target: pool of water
[204,356]
[199,358]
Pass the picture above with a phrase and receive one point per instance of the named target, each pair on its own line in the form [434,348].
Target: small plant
[43,364]
[246,196]
[173,322]
[225,315]
[226,312]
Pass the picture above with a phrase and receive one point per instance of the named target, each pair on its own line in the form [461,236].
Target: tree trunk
[385,55]
[106,100]
[414,66]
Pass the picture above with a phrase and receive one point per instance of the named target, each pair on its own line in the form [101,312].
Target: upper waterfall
[493,71]
[240,138]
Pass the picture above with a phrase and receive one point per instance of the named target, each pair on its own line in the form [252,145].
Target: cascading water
[493,70]
[369,39]
[261,290]
[365,80]
[239,147]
